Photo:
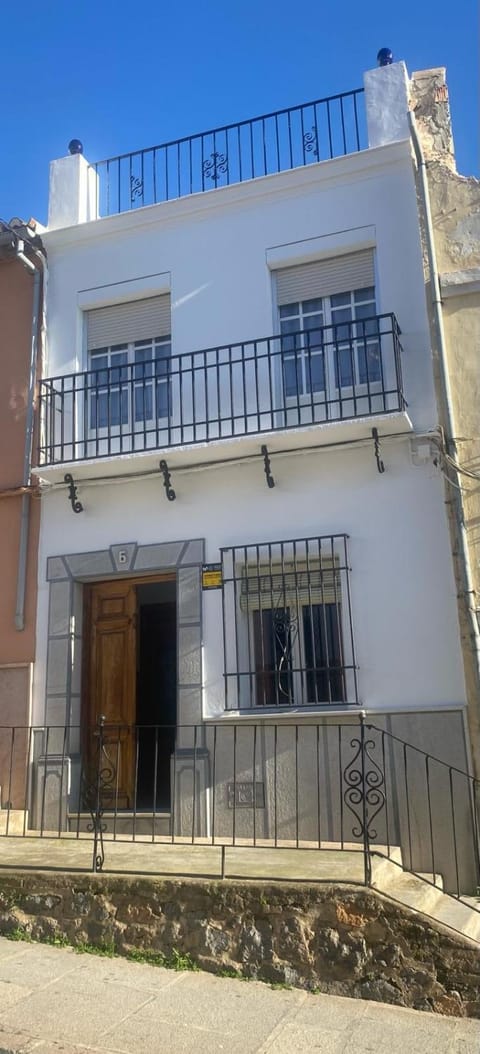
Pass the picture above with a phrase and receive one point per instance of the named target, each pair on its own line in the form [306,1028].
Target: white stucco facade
[217,255]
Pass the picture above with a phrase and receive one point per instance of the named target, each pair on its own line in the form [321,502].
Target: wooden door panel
[112,680]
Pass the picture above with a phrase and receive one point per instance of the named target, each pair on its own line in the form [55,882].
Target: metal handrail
[255,386]
[232,153]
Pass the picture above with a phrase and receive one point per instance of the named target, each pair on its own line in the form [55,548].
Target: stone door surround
[66,575]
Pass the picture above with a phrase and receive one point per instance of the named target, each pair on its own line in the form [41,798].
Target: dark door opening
[156,705]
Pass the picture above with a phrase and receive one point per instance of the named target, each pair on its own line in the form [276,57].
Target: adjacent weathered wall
[455,207]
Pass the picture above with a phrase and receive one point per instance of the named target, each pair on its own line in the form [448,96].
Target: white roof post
[387,96]
[73,192]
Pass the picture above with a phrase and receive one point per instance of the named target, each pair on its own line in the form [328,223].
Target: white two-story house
[244,543]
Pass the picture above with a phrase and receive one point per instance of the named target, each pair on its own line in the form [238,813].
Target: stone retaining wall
[341,940]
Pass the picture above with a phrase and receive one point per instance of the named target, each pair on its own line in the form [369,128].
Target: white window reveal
[329,326]
[129,350]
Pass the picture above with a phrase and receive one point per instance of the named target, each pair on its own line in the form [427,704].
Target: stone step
[386,865]
[424,893]
[421,895]
[13,821]
[124,822]
[460,916]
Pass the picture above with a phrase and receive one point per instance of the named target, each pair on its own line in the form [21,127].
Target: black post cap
[385,57]
[75,146]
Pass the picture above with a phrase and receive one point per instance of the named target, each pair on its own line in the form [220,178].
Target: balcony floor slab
[216,451]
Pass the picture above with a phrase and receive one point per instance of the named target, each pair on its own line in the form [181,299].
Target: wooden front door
[110,630]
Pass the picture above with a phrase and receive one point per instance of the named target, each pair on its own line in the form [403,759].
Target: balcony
[275,142]
[273,386]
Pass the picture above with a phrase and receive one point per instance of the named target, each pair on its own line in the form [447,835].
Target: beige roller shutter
[339,274]
[124,323]
[268,587]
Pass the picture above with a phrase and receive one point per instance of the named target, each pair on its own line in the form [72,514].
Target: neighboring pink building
[21,297]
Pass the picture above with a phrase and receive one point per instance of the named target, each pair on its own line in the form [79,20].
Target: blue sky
[121,76]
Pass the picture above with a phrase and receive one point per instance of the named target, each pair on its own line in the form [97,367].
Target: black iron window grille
[287,624]
[141,397]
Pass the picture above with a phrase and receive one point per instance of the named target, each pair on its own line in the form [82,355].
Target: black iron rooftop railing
[332,373]
[274,142]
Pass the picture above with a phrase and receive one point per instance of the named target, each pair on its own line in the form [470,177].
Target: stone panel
[189,594]
[189,706]
[51,789]
[194,552]
[59,608]
[189,655]
[77,608]
[89,565]
[58,665]
[56,569]
[159,556]
[123,556]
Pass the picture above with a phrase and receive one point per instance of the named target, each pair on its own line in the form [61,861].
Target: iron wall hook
[72,493]
[376,450]
[169,491]
[266,468]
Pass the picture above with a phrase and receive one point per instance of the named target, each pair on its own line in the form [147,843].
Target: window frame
[360,382]
[134,379]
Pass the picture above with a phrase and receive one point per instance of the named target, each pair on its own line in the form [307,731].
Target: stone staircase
[424,893]
[124,822]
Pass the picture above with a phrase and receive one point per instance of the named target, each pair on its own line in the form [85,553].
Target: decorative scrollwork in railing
[215,166]
[98,786]
[310,142]
[136,188]
[364,794]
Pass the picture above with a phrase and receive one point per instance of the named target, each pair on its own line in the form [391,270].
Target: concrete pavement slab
[92,972]
[295,1040]
[41,969]
[149,1033]
[90,1005]
[242,1014]
[66,1013]
[402,1030]
[330,1012]
[11,994]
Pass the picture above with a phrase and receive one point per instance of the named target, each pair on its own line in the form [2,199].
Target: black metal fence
[122,797]
[332,373]
[261,146]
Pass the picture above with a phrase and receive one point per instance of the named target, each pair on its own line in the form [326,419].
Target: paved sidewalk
[54,1001]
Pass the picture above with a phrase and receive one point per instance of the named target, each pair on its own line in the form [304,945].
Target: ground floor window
[288,632]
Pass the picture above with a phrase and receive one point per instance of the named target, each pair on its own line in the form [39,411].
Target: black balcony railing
[274,142]
[333,373]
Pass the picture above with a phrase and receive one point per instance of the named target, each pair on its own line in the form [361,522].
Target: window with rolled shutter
[129,348]
[324,278]
[138,320]
[329,307]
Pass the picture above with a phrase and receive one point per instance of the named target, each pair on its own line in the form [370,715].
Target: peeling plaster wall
[455,206]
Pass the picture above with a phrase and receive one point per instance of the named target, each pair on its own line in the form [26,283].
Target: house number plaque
[246,794]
